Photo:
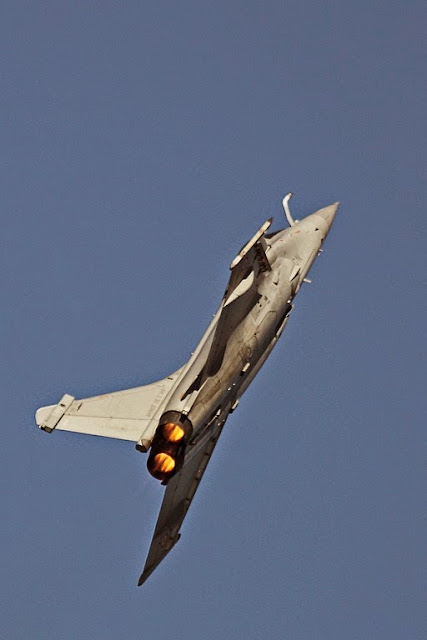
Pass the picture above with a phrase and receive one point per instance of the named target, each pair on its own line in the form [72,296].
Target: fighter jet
[179,419]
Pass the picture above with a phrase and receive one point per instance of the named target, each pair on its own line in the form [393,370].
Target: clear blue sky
[142,143]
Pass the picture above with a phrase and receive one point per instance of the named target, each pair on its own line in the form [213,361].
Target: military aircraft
[179,419]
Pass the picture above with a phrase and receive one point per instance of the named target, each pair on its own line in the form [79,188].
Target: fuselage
[257,312]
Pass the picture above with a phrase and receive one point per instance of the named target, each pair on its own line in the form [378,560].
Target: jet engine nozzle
[168,448]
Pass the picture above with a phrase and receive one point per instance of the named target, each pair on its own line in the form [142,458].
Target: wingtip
[43,413]
[144,576]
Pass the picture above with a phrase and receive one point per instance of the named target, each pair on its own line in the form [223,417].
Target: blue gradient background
[142,144]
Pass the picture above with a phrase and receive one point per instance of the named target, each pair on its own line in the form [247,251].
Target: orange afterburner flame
[163,463]
[173,432]
[168,446]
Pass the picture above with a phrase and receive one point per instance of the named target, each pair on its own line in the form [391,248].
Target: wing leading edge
[177,499]
[125,415]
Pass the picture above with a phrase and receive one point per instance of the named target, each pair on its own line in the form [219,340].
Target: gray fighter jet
[179,419]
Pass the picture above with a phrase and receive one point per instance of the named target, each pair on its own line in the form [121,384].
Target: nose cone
[328,214]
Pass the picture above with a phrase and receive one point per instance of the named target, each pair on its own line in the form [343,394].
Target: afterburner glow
[163,463]
[173,432]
